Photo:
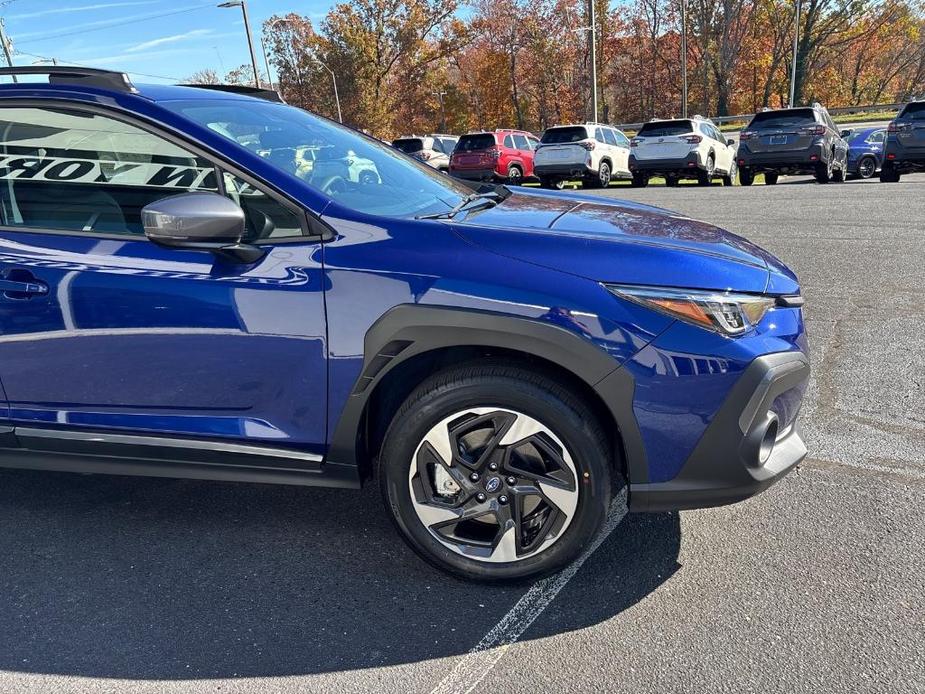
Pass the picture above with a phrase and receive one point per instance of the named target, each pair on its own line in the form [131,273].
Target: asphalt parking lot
[818,585]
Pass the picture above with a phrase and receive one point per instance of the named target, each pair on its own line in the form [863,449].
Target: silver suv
[792,141]
[434,150]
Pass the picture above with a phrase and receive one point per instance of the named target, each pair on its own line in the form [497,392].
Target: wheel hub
[493,484]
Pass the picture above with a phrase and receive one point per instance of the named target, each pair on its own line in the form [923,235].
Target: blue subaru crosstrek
[195,283]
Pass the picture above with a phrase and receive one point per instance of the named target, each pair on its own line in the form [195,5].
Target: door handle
[21,284]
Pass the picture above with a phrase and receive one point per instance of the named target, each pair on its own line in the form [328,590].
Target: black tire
[730,178]
[838,175]
[512,388]
[672,181]
[705,177]
[771,178]
[515,175]
[640,180]
[867,167]
[824,171]
[602,180]
[551,183]
[746,176]
[888,173]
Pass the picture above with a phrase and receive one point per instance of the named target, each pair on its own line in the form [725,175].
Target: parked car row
[780,142]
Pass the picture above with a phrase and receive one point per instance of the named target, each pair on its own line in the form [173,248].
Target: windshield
[409,145]
[356,171]
[914,111]
[561,136]
[783,119]
[473,143]
[666,129]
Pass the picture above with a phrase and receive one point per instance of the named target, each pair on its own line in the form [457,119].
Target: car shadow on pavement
[163,579]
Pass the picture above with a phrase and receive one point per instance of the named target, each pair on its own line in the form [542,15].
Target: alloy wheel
[493,485]
[867,167]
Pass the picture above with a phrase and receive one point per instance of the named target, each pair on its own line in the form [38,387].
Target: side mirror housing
[200,221]
[845,133]
[731,142]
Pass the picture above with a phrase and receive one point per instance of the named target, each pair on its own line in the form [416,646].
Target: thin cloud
[168,39]
[118,60]
[81,8]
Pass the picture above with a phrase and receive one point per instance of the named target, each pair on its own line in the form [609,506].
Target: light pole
[340,117]
[593,15]
[311,54]
[683,58]
[247,30]
[796,41]
[6,47]
[592,30]
[266,61]
[440,96]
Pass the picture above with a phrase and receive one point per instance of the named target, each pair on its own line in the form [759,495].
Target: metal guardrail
[720,120]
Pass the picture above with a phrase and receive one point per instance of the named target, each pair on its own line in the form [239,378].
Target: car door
[618,157]
[623,146]
[724,152]
[102,330]
[525,152]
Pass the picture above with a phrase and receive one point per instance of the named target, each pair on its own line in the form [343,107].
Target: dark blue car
[197,283]
[865,151]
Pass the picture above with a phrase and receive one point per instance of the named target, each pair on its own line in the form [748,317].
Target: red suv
[505,155]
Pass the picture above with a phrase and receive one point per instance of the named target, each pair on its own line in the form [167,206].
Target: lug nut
[474,477]
[502,499]
[480,497]
[512,481]
[493,466]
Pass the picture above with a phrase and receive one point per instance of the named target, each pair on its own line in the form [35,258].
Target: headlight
[723,312]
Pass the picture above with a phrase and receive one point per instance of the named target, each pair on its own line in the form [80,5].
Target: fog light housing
[768,439]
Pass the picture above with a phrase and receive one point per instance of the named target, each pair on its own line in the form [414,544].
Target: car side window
[521,142]
[610,137]
[622,140]
[73,170]
[599,135]
[437,146]
[876,138]
[509,141]
[534,142]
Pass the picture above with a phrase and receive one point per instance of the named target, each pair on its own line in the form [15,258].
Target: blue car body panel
[136,337]
[859,147]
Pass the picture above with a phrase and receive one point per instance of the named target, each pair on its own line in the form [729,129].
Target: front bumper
[725,467]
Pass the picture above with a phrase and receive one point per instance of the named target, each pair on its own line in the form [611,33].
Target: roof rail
[83,76]
[258,92]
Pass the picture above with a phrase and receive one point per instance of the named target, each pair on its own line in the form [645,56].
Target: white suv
[434,150]
[592,152]
[684,148]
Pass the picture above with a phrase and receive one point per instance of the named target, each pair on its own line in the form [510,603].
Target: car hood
[624,242]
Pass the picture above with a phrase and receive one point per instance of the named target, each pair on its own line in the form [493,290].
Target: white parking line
[479,661]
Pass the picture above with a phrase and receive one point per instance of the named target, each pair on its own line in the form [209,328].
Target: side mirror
[200,221]
[731,142]
[845,133]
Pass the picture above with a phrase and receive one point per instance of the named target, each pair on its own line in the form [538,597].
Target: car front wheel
[867,167]
[493,472]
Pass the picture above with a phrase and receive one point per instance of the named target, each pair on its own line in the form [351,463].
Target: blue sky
[152,40]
